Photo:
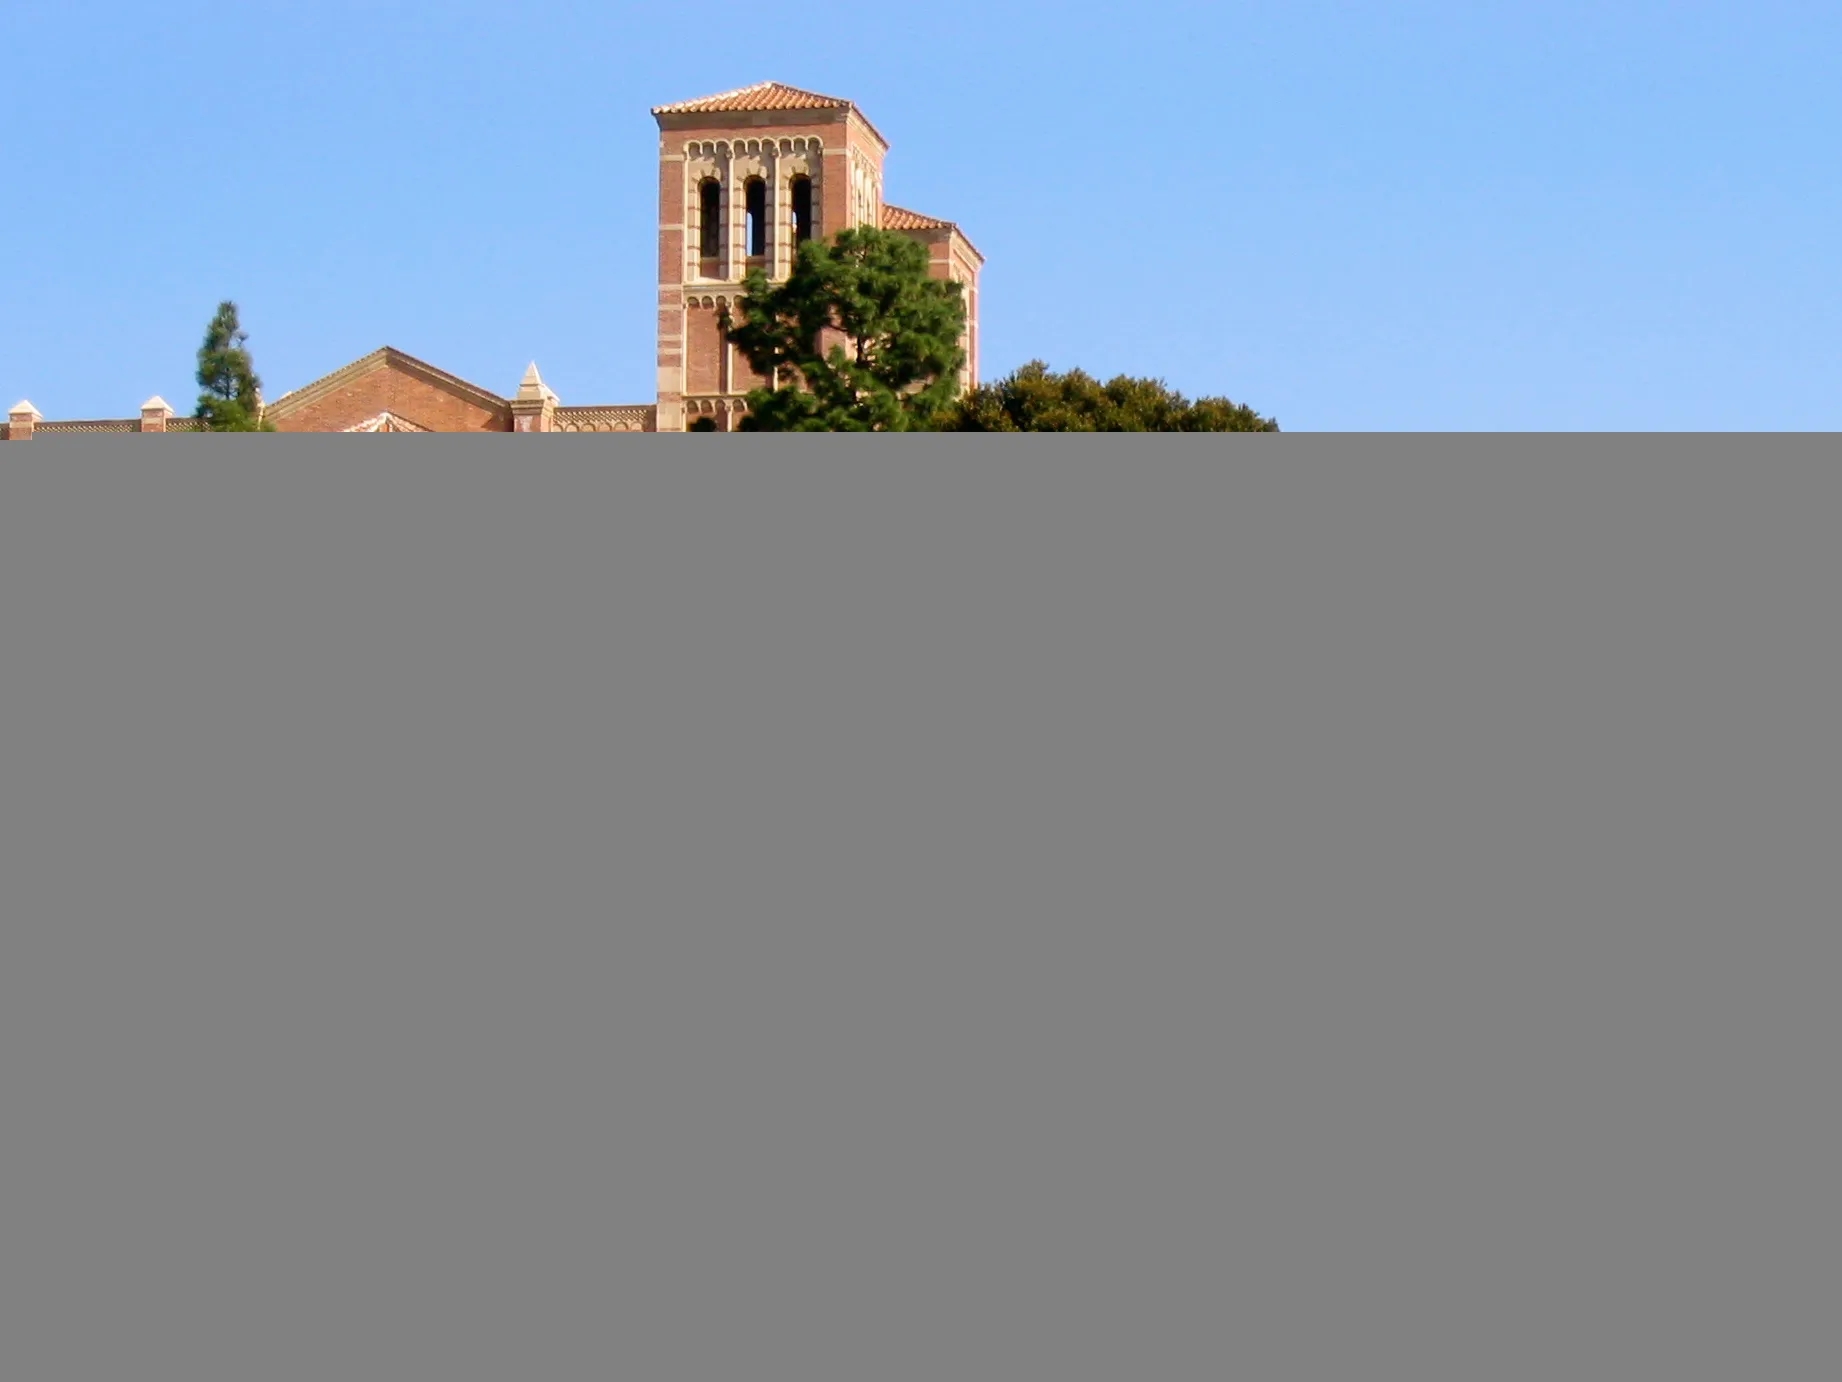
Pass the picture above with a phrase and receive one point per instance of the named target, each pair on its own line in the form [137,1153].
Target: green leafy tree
[232,399]
[1035,400]
[858,339]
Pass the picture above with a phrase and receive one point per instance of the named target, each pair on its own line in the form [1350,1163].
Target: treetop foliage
[232,397]
[858,339]
[1035,400]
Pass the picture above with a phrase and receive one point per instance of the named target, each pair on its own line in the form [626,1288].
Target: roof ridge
[803,91]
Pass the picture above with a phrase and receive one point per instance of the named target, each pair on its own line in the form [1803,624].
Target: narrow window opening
[802,210]
[710,219]
[757,218]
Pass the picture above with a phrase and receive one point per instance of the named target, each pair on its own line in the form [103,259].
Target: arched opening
[802,210]
[710,219]
[756,192]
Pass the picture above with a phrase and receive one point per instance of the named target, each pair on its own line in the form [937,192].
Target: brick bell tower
[744,177]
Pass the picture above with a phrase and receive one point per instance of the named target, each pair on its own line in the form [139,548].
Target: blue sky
[1426,216]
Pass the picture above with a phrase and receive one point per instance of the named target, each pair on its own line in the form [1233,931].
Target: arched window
[756,190]
[802,210]
[710,219]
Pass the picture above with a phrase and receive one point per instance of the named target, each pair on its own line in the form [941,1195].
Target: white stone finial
[157,404]
[532,388]
[24,408]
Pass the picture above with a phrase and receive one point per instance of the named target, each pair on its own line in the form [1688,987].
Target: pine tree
[1034,400]
[232,397]
[858,339]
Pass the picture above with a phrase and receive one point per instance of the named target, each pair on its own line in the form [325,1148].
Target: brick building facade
[744,177]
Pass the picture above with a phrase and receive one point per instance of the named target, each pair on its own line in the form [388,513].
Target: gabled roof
[385,357]
[901,218]
[765,96]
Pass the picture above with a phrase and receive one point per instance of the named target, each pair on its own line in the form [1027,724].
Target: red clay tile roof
[900,218]
[760,96]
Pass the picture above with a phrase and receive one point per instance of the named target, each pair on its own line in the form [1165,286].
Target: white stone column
[780,217]
[737,266]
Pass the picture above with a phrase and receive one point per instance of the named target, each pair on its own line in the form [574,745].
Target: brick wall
[703,351]
[704,364]
[389,389]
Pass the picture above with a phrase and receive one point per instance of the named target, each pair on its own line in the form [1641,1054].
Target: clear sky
[1572,214]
